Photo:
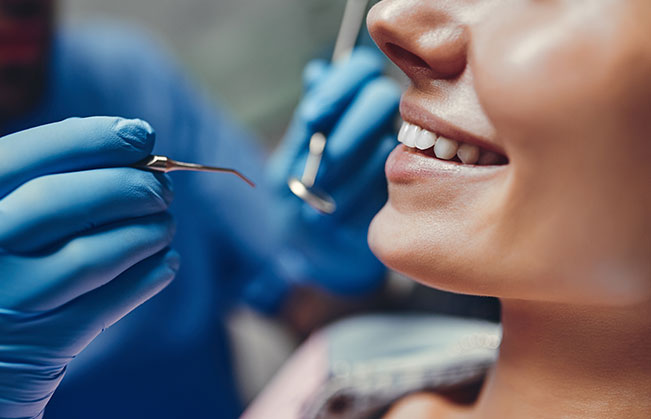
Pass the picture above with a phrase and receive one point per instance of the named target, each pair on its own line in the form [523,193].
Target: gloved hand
[355,107]
[83,241]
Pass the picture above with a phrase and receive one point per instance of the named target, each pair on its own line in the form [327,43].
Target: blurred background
[248,53]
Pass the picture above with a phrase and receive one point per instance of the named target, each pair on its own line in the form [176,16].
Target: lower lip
[405,165]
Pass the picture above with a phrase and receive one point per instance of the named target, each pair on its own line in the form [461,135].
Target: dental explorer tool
[165,164]
[351,23]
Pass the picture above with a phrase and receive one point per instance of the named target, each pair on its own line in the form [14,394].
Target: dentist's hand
[355,107]
[83,241]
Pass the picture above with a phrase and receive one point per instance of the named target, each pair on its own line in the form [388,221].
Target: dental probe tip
[166,165]
[241,176]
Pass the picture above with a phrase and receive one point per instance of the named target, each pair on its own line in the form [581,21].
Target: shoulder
[111,58]
[111,68]
[111,43]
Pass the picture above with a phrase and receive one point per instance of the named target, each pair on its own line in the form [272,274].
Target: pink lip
[413,114]
[406,165]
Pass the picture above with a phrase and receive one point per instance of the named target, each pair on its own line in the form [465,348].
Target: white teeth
[402,132]
[414,136]
[468,153]
[445,148]
[488,158]
[425,140]
[408,134]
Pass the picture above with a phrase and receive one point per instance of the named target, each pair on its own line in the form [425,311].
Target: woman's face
[561,91]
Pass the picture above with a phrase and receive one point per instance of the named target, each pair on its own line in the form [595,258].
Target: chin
[428,254]
[384,239]
[424,254]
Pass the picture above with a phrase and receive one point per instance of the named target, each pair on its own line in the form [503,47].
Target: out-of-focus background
[247,53]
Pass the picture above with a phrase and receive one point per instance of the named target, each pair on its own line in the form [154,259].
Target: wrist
[29,372]
[27,389]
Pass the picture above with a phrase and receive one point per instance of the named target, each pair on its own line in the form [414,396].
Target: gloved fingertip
[310,112]
[313,72]
[173,260]
[342,81]
[389,87]
[136,132]
[367,56]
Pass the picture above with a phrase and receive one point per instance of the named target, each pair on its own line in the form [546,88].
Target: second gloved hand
[83,241]
[355,106]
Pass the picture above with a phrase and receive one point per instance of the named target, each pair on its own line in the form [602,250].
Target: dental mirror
[304,188]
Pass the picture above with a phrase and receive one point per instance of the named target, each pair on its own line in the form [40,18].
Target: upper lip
[414,114]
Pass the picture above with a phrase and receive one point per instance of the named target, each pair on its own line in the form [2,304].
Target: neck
[567,361]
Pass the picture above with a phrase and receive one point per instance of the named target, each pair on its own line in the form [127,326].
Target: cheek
[564,63]
[570,95]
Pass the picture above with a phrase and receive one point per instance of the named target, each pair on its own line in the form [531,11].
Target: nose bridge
[422,37]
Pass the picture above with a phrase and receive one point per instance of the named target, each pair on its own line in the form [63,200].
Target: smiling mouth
[431,144]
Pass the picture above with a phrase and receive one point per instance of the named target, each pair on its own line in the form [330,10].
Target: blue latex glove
[83,241]
[355,106]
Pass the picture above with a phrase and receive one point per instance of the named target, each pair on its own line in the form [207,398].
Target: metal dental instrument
[303,188]
[165,164]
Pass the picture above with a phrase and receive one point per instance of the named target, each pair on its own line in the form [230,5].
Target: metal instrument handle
[164,164]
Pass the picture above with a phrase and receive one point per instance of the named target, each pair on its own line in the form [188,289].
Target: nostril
[404,58]
[440,53]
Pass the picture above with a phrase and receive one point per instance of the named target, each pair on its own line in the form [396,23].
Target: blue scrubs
[169,358]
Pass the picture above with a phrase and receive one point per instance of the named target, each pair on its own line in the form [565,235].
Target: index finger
[72,145]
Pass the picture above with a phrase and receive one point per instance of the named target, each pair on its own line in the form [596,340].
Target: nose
[422,37]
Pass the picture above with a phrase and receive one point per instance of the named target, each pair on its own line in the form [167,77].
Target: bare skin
[560,90]
[569,361]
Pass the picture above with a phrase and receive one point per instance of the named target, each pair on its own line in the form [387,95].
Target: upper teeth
[444,148]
